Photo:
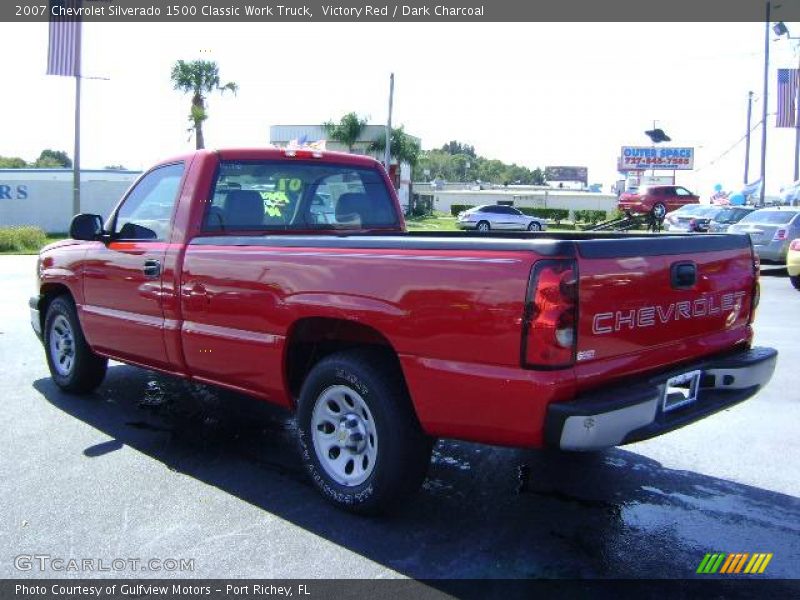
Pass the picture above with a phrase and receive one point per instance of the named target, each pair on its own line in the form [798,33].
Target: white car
[498,217]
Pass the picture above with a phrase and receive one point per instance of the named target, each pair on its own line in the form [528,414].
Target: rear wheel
[795,279]
[359,438]
[73,366]
[534,226]
[483,226]
[659,211]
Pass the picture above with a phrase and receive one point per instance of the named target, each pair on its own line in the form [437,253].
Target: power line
[731,148]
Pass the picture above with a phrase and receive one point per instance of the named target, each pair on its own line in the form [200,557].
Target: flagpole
[387,152]
[764,100]
[797,124]
[76,163]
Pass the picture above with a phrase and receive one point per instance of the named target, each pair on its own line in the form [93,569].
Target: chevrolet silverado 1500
[288,275]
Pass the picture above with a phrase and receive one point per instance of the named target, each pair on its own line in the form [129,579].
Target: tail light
[795,245]
[294,153]
[549,326]
[780,234]
[755,296]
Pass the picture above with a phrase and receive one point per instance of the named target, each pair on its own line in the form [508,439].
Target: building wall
[442,200]
[43,197]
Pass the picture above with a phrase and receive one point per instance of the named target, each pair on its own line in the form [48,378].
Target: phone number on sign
[646,160]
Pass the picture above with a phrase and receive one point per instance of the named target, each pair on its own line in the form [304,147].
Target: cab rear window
[284,195]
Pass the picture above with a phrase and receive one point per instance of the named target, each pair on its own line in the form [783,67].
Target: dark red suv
[658,199]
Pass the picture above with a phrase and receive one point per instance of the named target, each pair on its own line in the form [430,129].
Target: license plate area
[681,390]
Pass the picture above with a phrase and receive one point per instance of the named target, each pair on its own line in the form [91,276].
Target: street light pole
[764,107]
[797,126]
[747,141]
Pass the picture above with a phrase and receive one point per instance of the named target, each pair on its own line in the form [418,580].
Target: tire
[534,226]
[795,279]
[354,411]
[483,226]
[659,211]
[73,366]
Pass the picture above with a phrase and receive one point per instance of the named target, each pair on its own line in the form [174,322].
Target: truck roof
[272,153]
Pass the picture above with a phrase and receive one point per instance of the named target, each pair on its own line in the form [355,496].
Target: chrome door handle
[152,268]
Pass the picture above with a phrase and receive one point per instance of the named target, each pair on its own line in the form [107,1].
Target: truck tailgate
[653,302]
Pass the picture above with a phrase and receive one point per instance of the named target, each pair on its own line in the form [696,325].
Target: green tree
[53,159]
[402,146]
[12,162]
[347,130]
[538,177]
[453,147]
[198,78]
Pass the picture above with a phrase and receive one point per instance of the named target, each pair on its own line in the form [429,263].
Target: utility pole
[764,106]
[797,127]
[387,153]
[747,142]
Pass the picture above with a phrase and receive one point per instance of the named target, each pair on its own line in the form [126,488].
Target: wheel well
[312,339]
[48,293]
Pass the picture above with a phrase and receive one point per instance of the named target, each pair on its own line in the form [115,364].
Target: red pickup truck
[288,275]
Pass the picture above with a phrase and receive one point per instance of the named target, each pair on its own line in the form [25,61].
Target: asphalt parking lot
[151,467]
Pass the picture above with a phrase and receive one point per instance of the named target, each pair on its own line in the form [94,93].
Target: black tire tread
[89,369]
[405,463]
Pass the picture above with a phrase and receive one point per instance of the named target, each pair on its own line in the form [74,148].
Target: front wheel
[73,366]
[534,226]
[659,211]
[359,438]
[483,226]
[795,279]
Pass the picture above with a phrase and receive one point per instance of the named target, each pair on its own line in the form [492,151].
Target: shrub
[552,214]
[590,216]
[457,208]
[21,239]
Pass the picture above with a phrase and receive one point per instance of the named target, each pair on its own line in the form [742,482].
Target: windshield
[689,209]
[289,195]
[770,217]
[730,215]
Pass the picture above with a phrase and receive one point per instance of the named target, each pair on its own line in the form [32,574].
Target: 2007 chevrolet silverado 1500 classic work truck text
[288,275]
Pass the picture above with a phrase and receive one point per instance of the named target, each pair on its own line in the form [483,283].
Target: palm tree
[347,130]
[402,147]
[198,78]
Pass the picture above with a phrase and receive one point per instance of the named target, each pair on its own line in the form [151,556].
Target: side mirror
[86,227]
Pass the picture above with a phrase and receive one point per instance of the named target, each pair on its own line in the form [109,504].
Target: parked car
[793,263]
[658,199]
[771,230]
[703,218]
[496,216]
[379,340]
[729,215]
[678,220]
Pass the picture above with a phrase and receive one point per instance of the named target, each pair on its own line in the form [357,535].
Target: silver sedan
[495,216]
[771,230]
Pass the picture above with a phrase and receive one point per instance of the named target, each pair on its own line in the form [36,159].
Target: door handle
[152,268]
[683,275]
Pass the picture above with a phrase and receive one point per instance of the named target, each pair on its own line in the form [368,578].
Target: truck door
[122,281]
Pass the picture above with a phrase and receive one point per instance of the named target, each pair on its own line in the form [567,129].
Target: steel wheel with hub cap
[73,365]
[359,436]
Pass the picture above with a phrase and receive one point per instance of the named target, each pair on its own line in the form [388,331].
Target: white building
[43,197]
[283,135]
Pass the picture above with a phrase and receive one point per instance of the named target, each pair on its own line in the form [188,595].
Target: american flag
[64,51]
[787,97]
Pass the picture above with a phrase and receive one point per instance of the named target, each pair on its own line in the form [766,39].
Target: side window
[682,191]
[147,211]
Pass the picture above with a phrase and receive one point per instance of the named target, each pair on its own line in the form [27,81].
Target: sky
[536,94]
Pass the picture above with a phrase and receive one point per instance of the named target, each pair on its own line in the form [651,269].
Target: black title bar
[120,11]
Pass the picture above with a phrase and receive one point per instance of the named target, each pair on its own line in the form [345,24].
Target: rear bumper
[630,413]
[773,251]
[36,320]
